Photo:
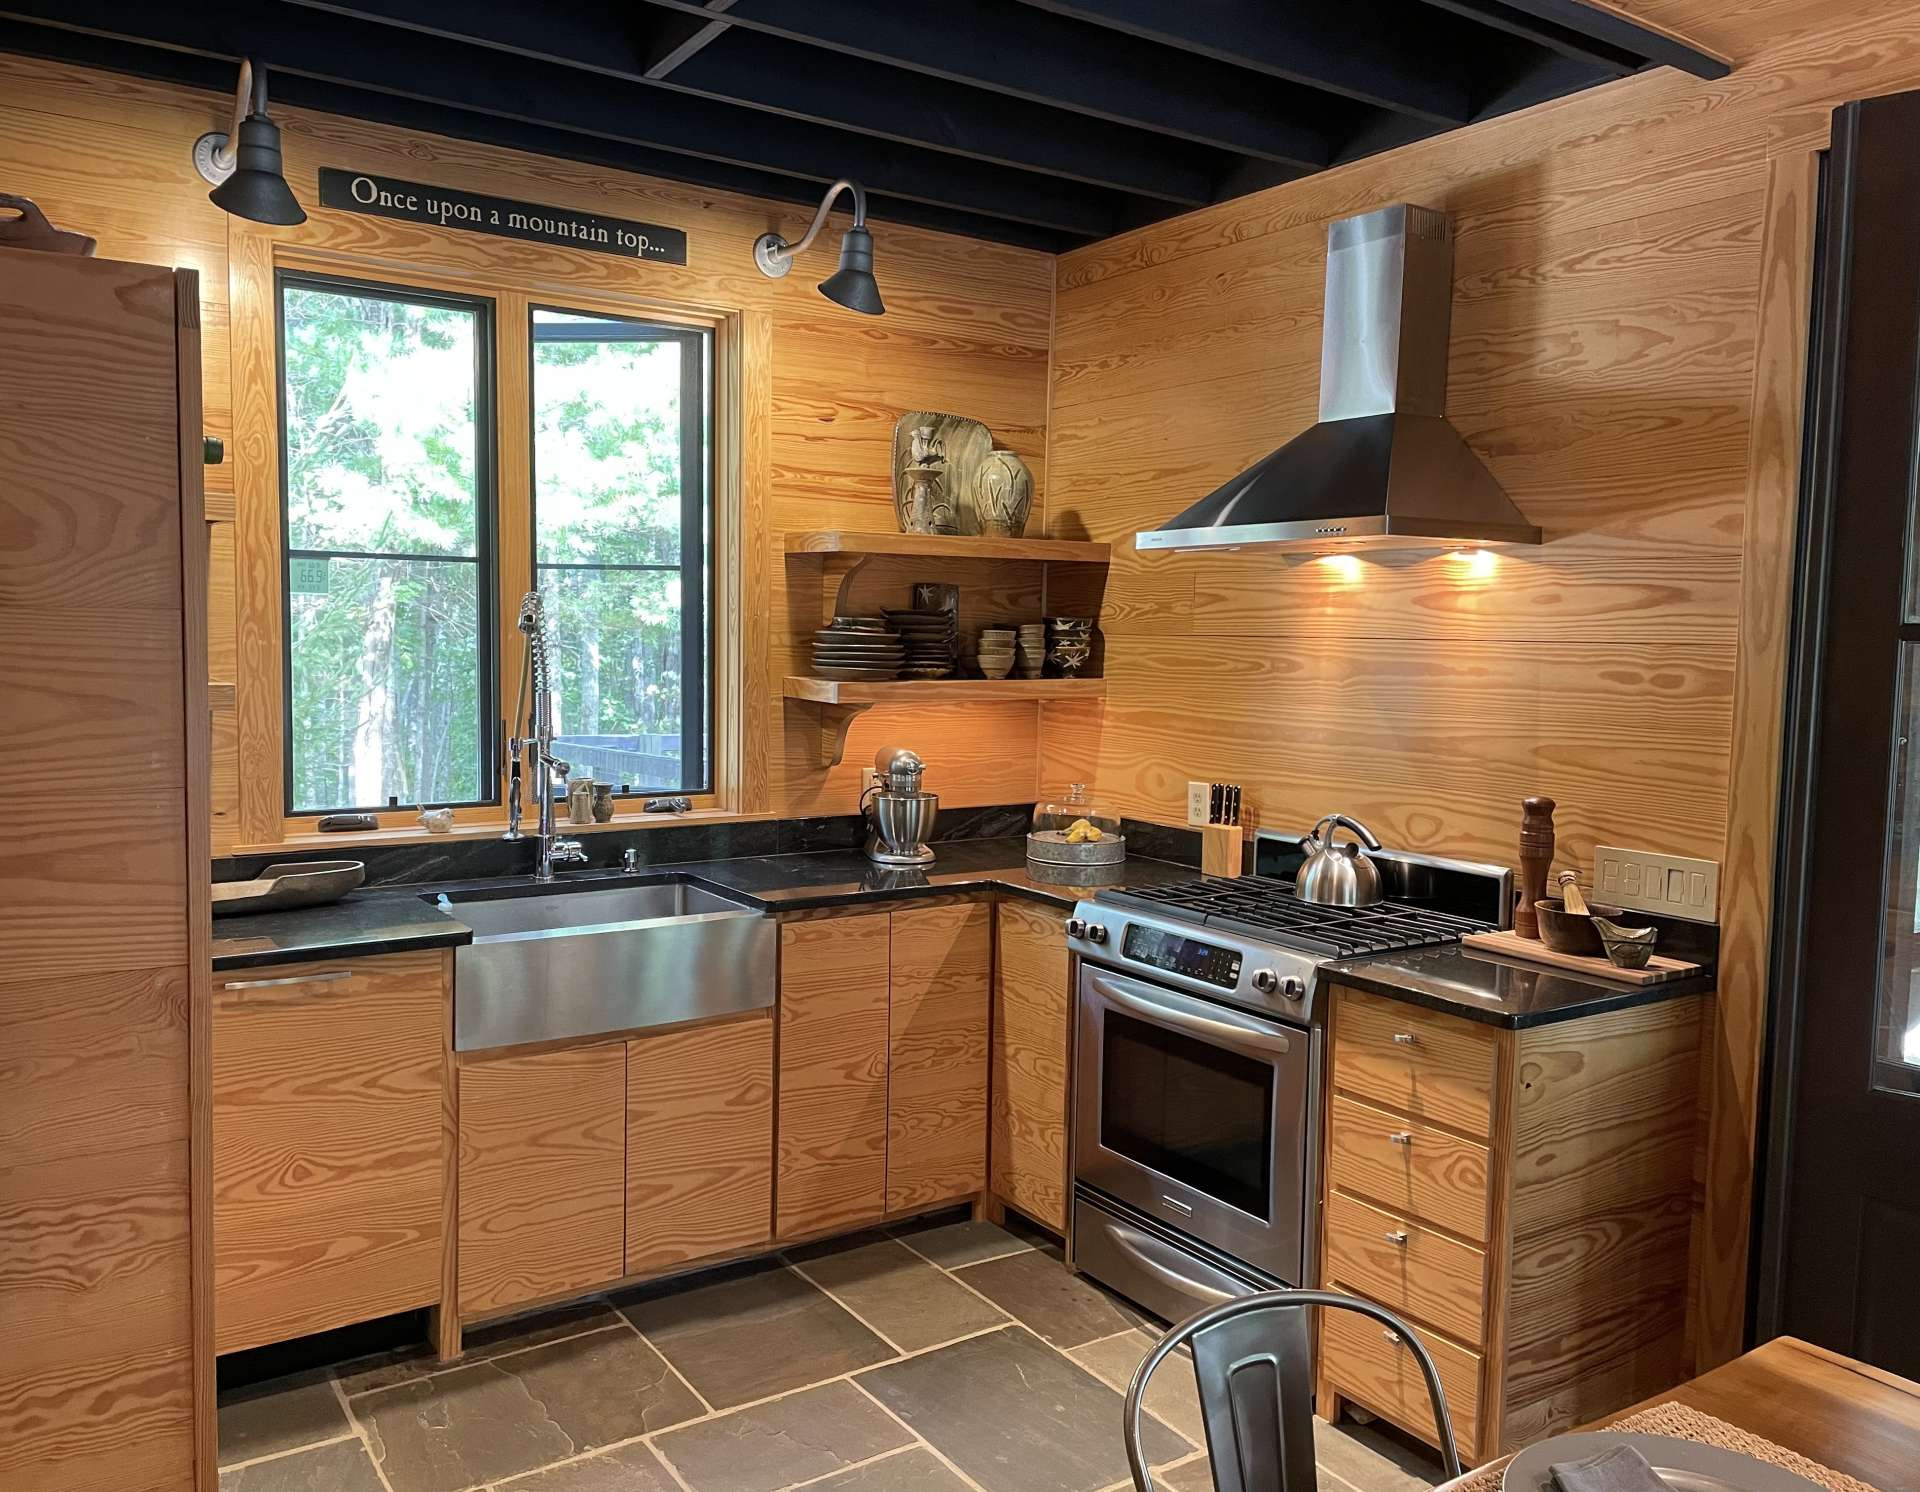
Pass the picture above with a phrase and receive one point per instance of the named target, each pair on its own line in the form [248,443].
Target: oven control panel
[1157,948]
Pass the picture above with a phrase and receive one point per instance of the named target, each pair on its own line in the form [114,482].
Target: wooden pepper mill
[1536,860]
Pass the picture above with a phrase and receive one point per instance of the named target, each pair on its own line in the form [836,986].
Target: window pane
[385,687]
[620,541]
[388,479]
[616,663]
[606,432]
[381,427]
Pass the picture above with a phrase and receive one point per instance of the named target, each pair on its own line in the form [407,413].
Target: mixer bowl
[904,821]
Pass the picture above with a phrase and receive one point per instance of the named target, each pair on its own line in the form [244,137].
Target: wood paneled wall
[967,329]
[1607,309]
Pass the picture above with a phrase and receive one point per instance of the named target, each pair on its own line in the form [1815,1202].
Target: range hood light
[1382,468]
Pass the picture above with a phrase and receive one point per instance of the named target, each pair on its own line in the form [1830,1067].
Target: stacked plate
[858,648]
[932,640]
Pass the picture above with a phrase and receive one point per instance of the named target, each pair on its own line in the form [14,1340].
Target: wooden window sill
[492,829]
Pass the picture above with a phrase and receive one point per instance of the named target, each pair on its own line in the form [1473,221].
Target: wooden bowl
[1568,932]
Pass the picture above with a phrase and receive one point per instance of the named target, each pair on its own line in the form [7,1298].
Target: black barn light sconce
[852,285]
[244,164]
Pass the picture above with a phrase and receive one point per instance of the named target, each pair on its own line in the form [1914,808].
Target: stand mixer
[899,815]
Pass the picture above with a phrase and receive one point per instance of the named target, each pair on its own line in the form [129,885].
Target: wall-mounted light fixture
[244,164]
[852,285]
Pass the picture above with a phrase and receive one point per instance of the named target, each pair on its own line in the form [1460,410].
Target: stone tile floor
[950,1356]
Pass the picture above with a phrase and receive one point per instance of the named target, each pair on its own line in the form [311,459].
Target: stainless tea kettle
[1338,875]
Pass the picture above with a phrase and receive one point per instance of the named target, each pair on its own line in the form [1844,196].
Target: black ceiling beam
[1005,47]
[1411,66]
[784,78]
[216,75]
[1576,45]
[1617,30]
[479,80]
[679,38]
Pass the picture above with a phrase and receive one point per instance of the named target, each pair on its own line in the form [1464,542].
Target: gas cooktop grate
[1264,907]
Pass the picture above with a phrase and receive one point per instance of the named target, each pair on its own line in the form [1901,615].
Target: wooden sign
[443,207]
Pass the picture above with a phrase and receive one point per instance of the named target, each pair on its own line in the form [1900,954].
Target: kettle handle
[1335,820]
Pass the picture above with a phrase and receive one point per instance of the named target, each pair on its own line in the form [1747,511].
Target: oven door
[1197,1114]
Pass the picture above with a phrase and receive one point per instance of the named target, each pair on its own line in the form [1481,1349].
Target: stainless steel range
[1198,1054]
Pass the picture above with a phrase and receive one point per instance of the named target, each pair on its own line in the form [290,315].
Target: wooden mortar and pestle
[1569,923]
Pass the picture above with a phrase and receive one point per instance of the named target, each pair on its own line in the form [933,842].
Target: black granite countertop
[1497,990]
[391,919]
[366,922]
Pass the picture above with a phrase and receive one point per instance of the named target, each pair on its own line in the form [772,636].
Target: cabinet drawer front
[1435,1067]
[1407,1268]
[1360,1357]
[1415,1170]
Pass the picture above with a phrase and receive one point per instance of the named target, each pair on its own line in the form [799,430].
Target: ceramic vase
[1002,495]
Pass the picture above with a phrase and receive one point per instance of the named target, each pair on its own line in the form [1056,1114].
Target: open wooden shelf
[948,546]
[837,702]
[940,691]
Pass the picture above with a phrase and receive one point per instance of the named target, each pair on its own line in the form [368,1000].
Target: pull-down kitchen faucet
[547,769]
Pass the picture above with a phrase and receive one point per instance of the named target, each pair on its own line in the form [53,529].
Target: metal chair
[1253,1360]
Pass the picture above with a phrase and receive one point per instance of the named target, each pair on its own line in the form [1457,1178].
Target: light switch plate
[1199,803]
[1671,885]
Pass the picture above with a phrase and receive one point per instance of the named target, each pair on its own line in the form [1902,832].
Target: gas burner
[1265,907]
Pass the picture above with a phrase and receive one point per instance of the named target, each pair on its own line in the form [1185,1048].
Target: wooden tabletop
[1841,1413]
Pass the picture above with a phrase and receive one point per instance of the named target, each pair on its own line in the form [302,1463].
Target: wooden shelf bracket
[831,722]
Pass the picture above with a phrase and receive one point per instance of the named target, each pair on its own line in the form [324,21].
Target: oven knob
[1096,933]
[1266,981]
[1293,988]
[1076,927]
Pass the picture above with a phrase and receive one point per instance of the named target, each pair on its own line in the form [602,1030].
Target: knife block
[1222,849]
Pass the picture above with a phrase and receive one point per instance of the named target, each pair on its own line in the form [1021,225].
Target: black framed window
[388,500]
[622,535]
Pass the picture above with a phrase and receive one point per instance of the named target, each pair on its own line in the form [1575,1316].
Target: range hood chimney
[1382,467]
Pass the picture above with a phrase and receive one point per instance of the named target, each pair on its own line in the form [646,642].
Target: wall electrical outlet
[1671,885]
[1199,802]
[868,777]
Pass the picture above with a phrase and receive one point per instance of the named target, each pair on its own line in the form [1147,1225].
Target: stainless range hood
[1383,466]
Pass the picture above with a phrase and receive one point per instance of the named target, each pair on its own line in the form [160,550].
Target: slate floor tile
[1194,1476]
[1065,1308]
[1172,1397]
[625,1468]
[1365,1458]
[751,1333]
[1015,1416]
[900,1295]
[954,1245]
[916,1470]
[368,1373]
[513,1413]
[265,1418]
[340,1467]
[791,1439]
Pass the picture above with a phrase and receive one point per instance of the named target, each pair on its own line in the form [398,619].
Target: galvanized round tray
[1051,847]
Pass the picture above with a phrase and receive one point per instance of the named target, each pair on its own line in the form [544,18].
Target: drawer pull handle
[326,978]
[1403,1038]
[1399,1236]
[1394,1337]
[1401,1137]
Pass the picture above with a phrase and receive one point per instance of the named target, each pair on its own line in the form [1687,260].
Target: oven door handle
[1218,1028]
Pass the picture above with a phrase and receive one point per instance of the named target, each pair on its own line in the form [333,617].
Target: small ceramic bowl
[1627,947]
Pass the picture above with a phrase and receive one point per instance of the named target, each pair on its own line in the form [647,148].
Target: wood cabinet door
[543,1186]
[699,1142]
[328,1090]
[937,1054]
[1032,1019]
[833,1073]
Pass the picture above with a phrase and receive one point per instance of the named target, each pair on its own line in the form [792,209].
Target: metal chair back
[1253,1364]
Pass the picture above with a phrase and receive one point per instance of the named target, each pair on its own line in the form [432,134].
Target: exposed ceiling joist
[759,71]
[1001,46]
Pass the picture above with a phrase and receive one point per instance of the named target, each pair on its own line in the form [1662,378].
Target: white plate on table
[1684,1465]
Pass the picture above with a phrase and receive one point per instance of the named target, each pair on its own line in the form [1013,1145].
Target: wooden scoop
[1571,896]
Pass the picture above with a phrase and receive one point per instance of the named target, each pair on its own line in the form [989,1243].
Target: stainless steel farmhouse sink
[584,958]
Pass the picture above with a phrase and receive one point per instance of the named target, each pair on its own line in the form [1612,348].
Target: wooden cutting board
[1658,970]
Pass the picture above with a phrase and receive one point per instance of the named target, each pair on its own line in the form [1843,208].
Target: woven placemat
[1690,1424]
